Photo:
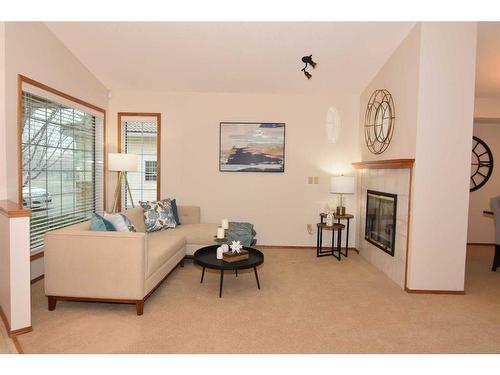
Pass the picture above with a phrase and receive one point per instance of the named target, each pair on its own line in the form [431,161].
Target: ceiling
[488,60]
[260,57]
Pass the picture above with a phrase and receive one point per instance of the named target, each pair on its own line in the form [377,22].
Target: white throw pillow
[120,222]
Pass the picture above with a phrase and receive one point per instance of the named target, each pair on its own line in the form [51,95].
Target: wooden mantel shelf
[12,209]
[385,164]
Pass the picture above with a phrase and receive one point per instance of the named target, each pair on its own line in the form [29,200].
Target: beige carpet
[306,305]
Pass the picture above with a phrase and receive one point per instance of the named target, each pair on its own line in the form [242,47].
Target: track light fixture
[308,61]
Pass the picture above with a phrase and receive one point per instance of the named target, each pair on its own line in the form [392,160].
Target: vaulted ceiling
[488,60]
[260,57]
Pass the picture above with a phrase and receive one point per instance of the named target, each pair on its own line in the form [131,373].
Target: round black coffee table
[207,258]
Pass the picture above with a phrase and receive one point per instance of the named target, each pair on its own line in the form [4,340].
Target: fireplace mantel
[385,164]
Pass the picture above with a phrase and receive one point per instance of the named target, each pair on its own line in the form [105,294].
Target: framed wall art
[252,147]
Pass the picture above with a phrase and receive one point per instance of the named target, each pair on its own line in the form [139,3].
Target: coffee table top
[207,257]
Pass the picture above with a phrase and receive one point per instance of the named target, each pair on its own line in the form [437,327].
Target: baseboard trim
[17,345]
[13,333]
[480,244]
[20,331]
[296,247]
[424,291]
[37,279]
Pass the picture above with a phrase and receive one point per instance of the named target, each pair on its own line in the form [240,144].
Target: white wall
[279,204]
[442,168]
[32,50]
[400,76]
[3,153]
[481,228]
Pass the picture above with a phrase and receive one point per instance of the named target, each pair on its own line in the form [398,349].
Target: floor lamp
[122,163]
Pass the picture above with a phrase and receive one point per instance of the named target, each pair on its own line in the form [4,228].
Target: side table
[319,243]
[346,217]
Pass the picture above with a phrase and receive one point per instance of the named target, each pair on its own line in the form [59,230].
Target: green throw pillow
[98,223]
[173,204]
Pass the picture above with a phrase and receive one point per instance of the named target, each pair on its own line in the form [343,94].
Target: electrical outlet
[310,228]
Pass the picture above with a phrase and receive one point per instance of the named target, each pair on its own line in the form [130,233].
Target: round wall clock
[481,164]
[379,121]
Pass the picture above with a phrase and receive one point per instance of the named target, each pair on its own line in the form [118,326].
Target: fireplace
[380,227]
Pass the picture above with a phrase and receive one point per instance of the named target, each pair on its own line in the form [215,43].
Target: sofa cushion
[200,234]
[136,216]
[161,246]
[189,214]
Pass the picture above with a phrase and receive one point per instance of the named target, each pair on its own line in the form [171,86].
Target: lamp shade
[122,162]
[342,185]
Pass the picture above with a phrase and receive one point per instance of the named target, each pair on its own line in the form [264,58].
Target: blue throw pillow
[173,204]
[98,223]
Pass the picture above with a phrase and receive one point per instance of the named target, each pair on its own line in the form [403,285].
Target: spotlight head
[308,75]
[309,60]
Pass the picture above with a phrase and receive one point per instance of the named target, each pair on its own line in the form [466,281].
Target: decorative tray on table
[231,257]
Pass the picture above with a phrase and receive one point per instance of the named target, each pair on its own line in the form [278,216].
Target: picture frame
[252,147]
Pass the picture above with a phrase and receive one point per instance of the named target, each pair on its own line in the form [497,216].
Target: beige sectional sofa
[119,267]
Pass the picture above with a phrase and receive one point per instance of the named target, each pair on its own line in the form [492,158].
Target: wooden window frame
[158,146]
[23,79]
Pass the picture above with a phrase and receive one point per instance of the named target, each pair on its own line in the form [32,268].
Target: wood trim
[424,291]
[17,345]
[480,244]
[15,332]
[36,279]
[12,209]
[385,164]
[410,198]
[36,256]
[23,79]
[52,90]
[20,331]
[158,146]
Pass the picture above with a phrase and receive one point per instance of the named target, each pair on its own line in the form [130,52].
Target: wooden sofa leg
[52,303]
[139,306]
[182,262]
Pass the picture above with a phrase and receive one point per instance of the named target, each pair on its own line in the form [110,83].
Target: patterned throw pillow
[158,215]
[120,222]
[100,224]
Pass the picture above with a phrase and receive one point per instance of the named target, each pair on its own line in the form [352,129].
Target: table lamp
[122,163]
[342,185]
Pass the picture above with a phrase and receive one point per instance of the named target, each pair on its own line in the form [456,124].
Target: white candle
[220,232]
[219,252]
[225,223]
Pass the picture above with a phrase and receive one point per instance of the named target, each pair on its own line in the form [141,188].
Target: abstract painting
[252,147]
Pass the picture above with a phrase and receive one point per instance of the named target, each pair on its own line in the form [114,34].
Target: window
[139,134]
[62,165]
[150,170]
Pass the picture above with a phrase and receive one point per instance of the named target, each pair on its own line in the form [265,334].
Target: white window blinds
[140,137]
[62,165]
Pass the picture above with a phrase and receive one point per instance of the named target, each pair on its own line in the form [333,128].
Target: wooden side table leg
[317,242]
[347,239]
[339,242]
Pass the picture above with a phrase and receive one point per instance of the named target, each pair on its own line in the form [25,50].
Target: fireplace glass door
[380,227]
